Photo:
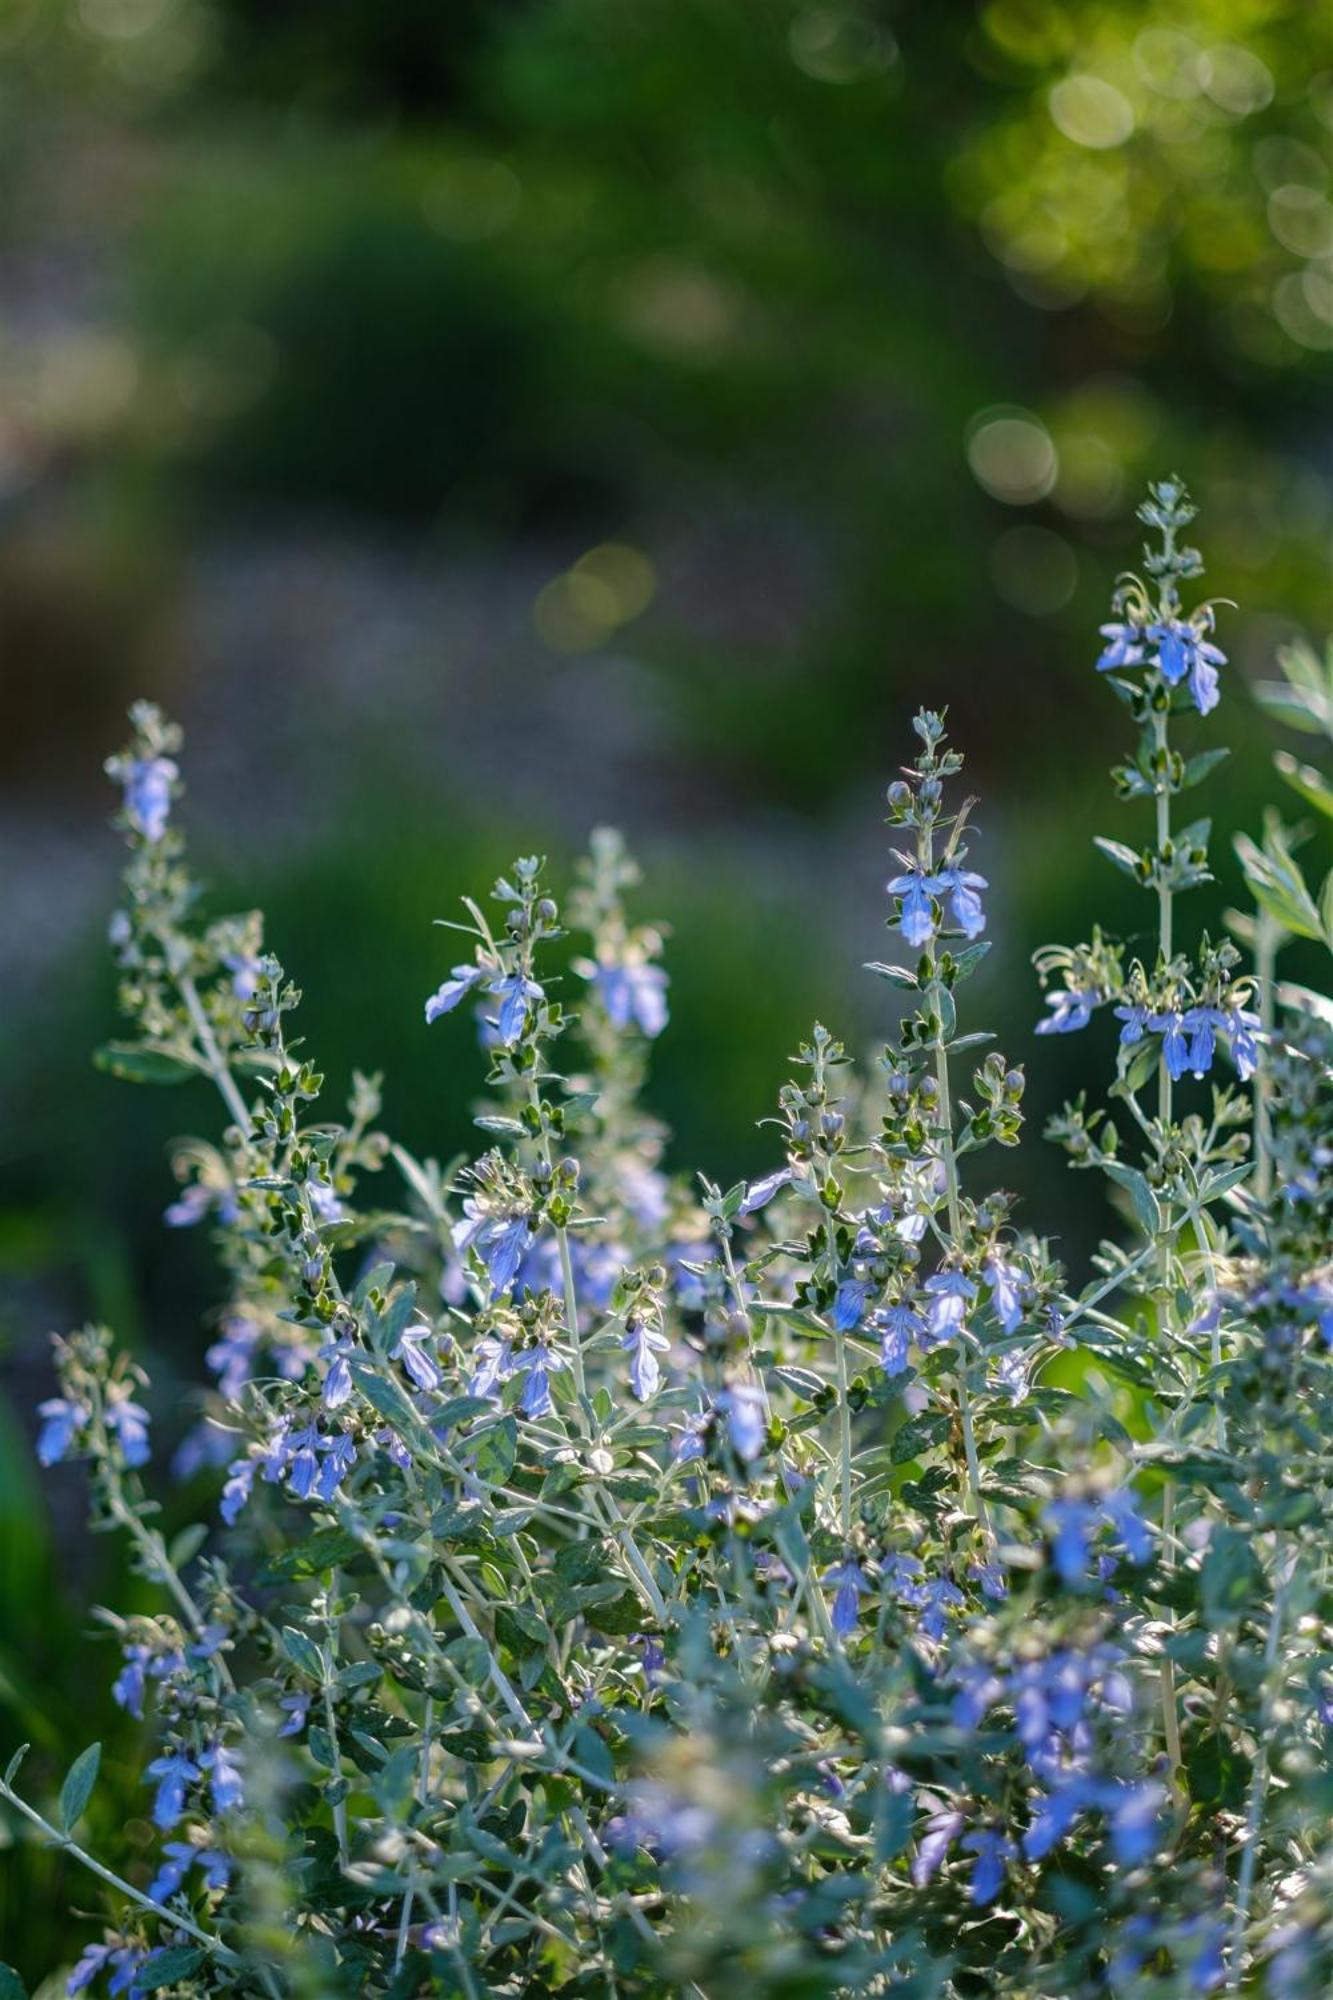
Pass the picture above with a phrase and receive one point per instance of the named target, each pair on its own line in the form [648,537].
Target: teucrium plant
[628,1585]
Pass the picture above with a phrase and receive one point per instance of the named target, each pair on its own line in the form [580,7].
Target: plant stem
[218,1067]
[173,1917]
[1268,936]
[1249,1858]
[844,1435]
[1170,1710]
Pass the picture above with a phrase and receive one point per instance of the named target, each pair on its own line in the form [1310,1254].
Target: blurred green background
[480,421]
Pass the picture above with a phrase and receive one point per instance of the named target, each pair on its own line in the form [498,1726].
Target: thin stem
[844,1435]
[174,1918]
[218,1066]
[1268,936]
[1170,1708]
[1249,1858]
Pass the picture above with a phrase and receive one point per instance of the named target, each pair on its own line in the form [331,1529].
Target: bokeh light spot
[1012,455]
[1091,112]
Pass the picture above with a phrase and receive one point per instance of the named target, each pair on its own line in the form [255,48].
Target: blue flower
[501,1244]
[173,1771]
[643,1343]
[127,1690]
[994,1853]
[236,1492]
[92,1961]
[148,782]
[1175,1046]
[62,1420]
[1134,1813]
[495,1364]
[690,1438]
[232,1357]
[337,1388]
[1120,1509]
[760,1193]
[1183,652]
[747,1419]
[1135,1019]
[298,1711]
[339,1458]
[633,993]
[992,1580]
[933,1600]
[515,994]
[302,1463]
[540,1362]
[898,1326]
[1055,1813]
[129,1422]
[179,1859]
[849,1304]
[1072,1526]
[1240,1027]
[1124,647]
[964,902]
[455,988]
[225,1775]
[417,1362]
[1006,1290]
[916,916]
[950,1294]
[1012,1369]
[850,1580]
[942,1829]
[1071,1009]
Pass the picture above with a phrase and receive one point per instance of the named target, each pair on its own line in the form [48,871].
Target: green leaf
[11,1986]
[897,975]
[1312,785]
[383,1395]
[78,1786]
[169,1967]
[1146,1205]
[1125,859]
[1198,768]
[496,1450]
[135,1062]
[303,1653]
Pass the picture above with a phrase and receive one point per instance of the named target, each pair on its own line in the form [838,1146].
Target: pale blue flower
[148,782]
[994,1852]
[1071,1009]
[760,1193]
[964,902]
[539,1363]
[225,1777]
[747,1419]
[515,994]
[173,1771]
[849,1304]
[337,1388]
[298,1711]
[127,1690]
[236,1492]
[418,1363]
[898,1326]
[339,1458]
[942,1829]
[1124,647]
[495,1364]
[455,988]
[633,994]
[916,916]
[1006,1291]
[950,1295]
[129,1424]
[850,1580]
[62,1420]
[643,1343]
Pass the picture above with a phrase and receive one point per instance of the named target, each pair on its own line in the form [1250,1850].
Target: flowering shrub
[623,1585]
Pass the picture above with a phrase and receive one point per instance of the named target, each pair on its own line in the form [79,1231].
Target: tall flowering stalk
[623,1584]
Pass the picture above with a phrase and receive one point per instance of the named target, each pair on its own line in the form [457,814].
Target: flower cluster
[617,1582]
